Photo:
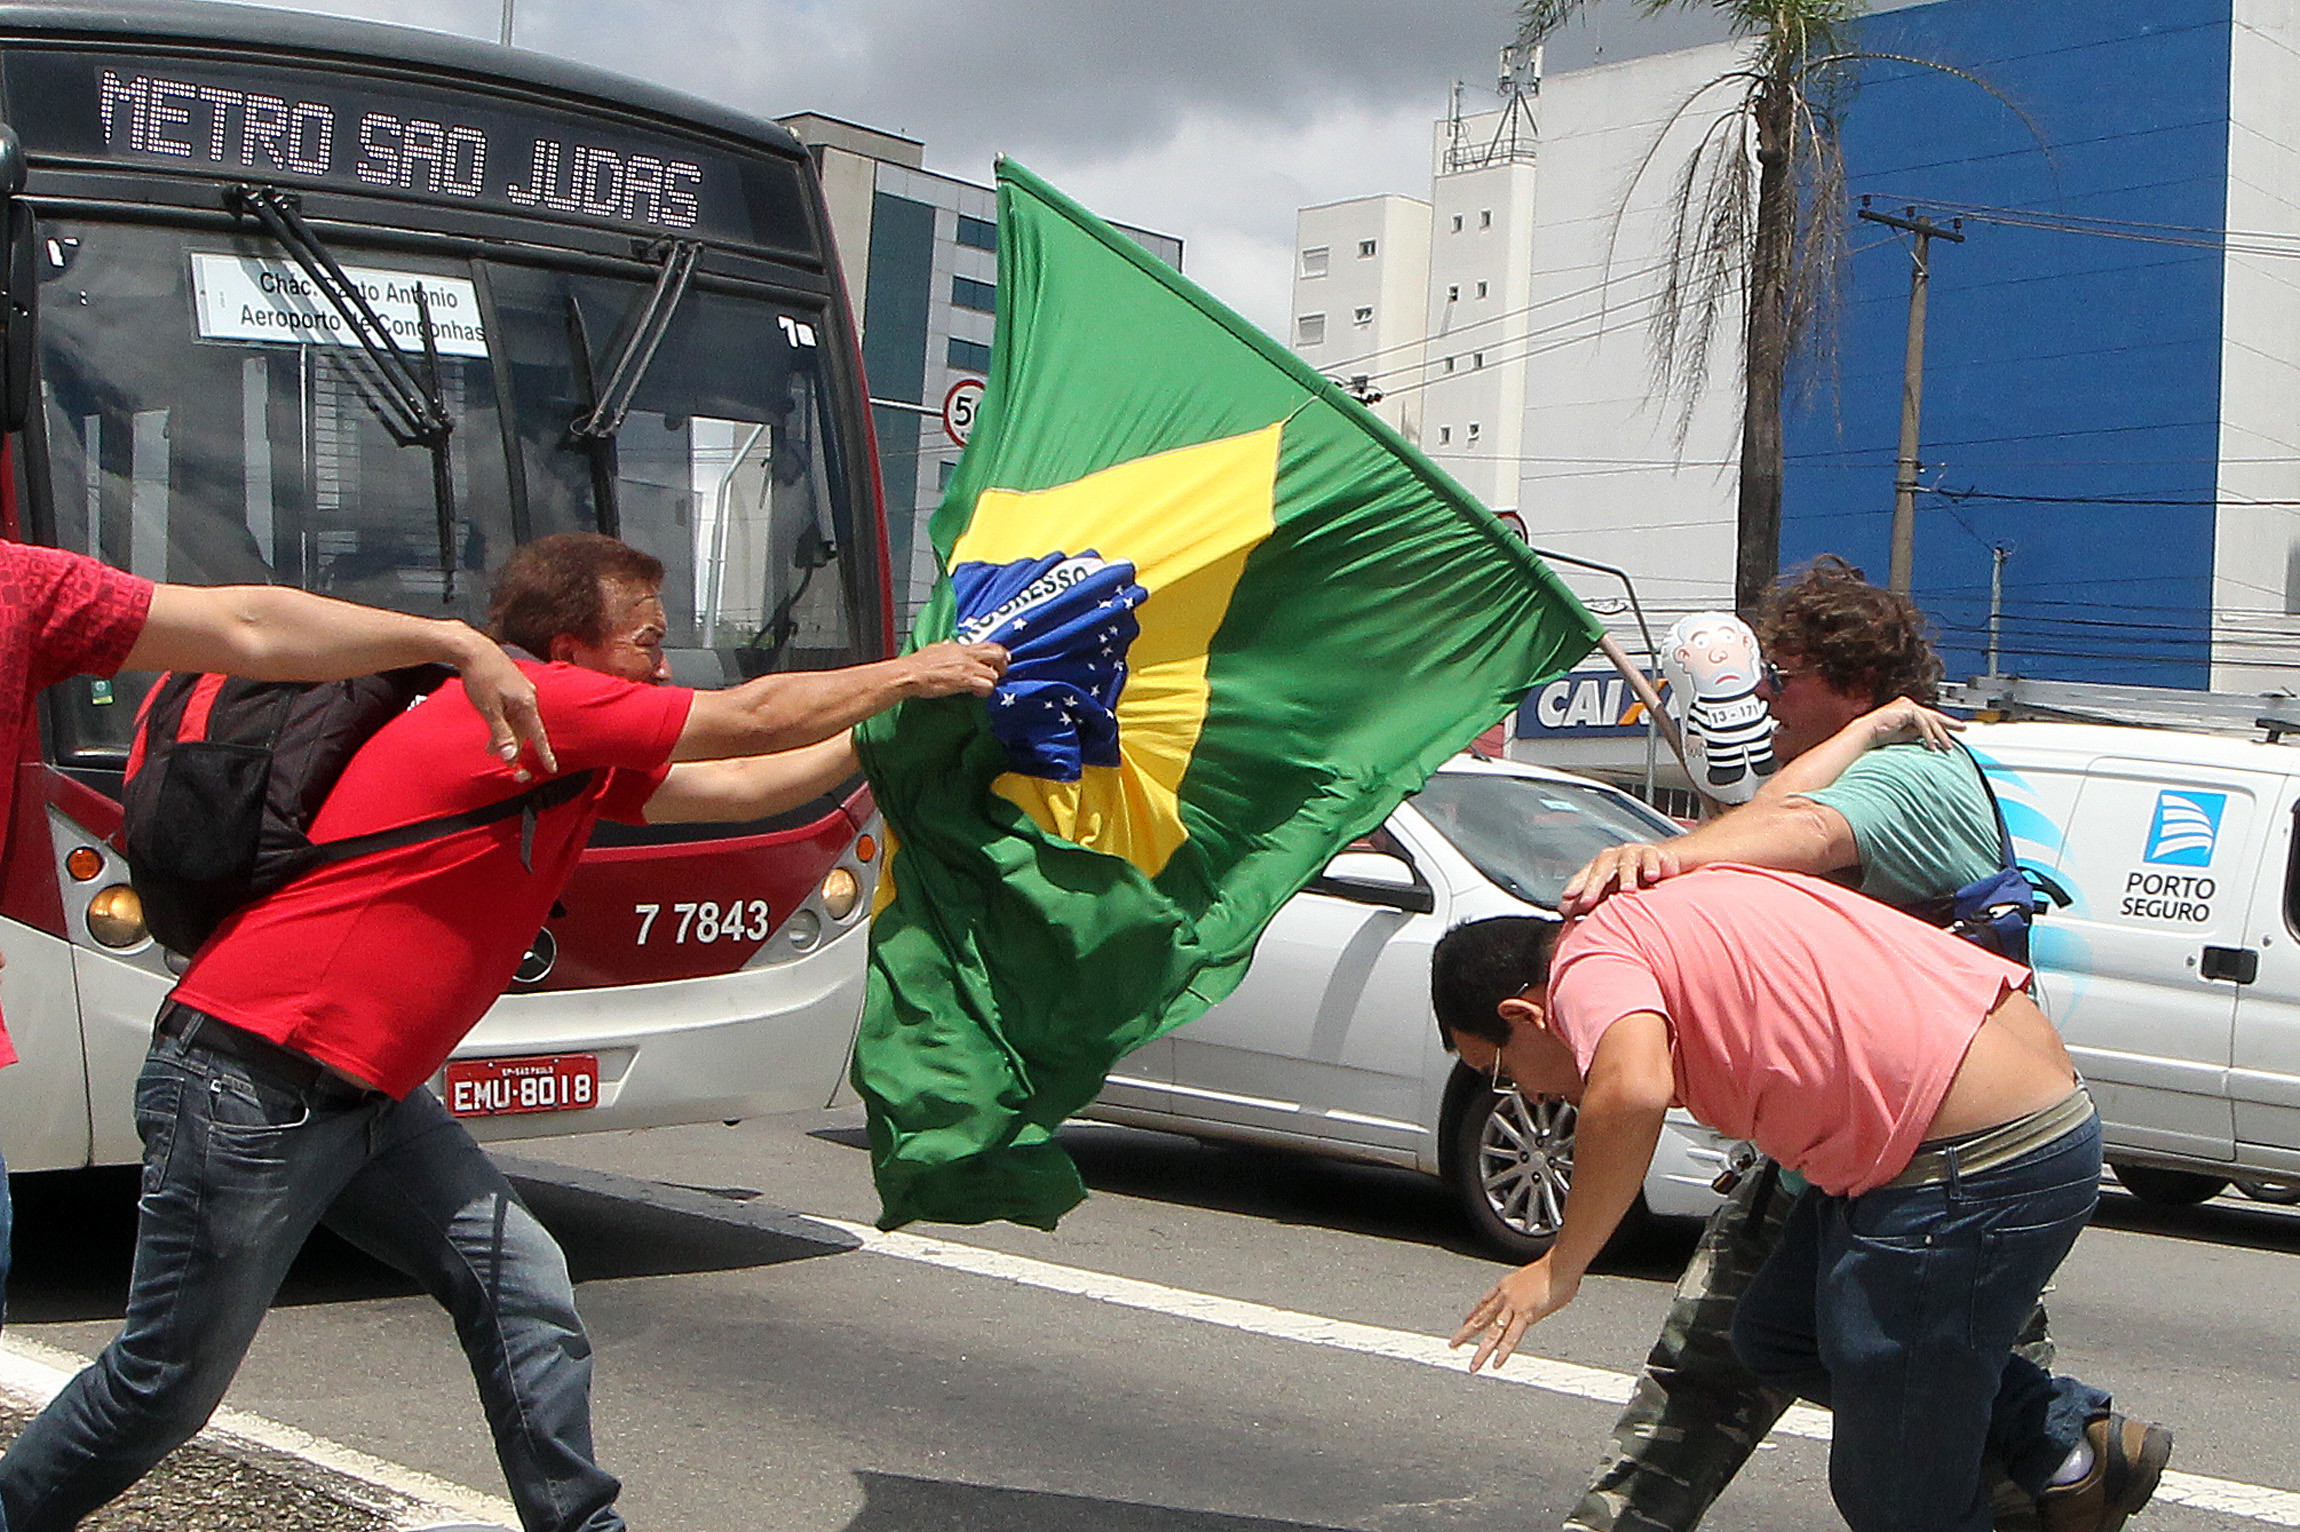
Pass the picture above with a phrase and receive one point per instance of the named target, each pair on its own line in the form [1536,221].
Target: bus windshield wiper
[594,432]
[411,408]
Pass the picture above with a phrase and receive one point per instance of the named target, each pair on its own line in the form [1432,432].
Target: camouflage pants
[1697,1414]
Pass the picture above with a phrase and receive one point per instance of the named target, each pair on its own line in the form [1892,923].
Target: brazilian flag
[1246,619]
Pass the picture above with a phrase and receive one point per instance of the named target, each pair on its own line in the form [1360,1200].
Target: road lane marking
[408,1497]
[2229,1497]
[1524,1369]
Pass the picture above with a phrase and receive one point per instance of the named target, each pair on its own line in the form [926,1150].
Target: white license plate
[554,1082]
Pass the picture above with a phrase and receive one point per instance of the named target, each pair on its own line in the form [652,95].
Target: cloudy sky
[1208,119]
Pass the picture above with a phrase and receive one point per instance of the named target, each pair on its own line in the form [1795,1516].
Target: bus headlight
[842,891]
[116,916]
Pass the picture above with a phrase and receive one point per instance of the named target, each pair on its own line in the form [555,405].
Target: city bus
[361,308]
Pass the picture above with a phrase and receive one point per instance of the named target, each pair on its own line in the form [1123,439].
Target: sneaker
[2128,1457]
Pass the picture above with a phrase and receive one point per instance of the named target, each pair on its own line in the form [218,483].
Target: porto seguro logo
[1067,621]
[2186,828]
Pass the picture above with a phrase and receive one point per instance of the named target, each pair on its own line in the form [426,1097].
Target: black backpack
[226,775]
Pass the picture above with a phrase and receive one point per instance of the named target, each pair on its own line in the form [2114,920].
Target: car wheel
[1511,1167]
[2268,1191]
[2169,1188]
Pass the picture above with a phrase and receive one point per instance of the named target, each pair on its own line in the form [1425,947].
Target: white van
[2174,972]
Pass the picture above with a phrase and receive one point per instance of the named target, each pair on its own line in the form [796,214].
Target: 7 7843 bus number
[707,921]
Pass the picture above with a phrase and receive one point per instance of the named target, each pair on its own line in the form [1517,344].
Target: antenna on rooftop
[1520,71]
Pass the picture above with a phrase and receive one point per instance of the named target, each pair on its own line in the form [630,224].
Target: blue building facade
[2079,344]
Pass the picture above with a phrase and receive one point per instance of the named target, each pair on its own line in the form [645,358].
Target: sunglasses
[1777,680]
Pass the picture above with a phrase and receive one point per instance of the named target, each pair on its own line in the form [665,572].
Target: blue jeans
[238,1167]
[1899,1309]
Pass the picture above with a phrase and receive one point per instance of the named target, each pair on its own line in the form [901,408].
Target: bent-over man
[1866,796]
[1952,1158]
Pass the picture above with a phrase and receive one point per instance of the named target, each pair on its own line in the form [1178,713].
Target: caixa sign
[1585,704]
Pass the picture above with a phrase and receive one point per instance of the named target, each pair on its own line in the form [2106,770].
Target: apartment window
[1473,431]
[1485,218]
[1365,248]
[1310,330]
[1445,435]
[1481,289]
[967,293]
[1362,316]
[1449,364]
[969,355]
[1477,359]
[943,473]
[1314,260]
[1453,292]
[981,233]
[1457,223]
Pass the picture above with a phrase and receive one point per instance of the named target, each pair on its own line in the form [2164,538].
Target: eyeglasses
[1777,680]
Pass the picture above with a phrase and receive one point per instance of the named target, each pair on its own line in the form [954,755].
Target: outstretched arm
[752,786]
[279,633]
[1777,828]
[1627,1094]
[1897,722]
[800,707]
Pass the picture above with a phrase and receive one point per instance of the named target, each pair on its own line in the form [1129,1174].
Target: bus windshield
[209,420]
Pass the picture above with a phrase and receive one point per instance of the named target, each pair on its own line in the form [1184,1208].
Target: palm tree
[1778,241]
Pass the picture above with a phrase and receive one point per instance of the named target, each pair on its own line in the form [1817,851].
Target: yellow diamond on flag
[1186,520]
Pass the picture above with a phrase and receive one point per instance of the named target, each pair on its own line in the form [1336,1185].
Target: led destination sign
[290,126]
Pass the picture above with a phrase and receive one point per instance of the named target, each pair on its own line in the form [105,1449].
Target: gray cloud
[1209,119]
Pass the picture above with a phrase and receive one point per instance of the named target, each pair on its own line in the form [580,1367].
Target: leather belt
[197,1029]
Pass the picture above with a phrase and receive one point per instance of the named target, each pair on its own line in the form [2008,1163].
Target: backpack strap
[1988,790]
[528,805]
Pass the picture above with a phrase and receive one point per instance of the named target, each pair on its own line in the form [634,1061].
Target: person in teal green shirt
[1872,792]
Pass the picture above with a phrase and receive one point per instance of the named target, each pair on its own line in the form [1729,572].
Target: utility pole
[505,37]
[1997,557]
[1912,387]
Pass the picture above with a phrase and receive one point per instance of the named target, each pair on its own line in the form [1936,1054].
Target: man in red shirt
[62,614]
[285,1085]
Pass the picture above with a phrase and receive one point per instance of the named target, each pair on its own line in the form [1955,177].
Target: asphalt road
[761,1370]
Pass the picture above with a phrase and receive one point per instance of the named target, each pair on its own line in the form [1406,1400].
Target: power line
[2188,236]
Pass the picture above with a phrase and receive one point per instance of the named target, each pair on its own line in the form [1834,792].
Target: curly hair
[551,586]
[1859,638]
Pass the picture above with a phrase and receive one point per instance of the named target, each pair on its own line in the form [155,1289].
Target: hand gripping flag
[1246,619]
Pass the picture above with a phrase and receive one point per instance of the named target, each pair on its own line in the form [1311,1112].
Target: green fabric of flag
[1246,620]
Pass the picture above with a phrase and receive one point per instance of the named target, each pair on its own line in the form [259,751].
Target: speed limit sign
[958,408]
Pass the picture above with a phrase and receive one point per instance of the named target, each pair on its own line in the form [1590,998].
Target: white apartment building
[1604,473]
[1473,374]
[1361,277]
[1426,303]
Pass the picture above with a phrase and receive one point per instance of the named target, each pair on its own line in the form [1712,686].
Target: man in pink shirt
[1953,1157]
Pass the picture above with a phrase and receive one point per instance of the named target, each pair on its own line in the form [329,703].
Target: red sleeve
[84,616]
[1595,979]
[599,720]
[625,800]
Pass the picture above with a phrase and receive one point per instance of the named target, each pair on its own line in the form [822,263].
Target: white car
[1329,1045]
